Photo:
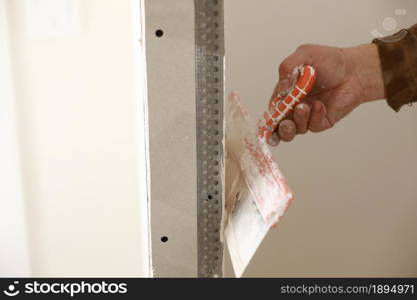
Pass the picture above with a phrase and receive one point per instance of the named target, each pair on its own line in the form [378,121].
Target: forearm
[387,68]
[364,65]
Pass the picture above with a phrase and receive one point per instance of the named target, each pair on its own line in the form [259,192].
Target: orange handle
[281,106]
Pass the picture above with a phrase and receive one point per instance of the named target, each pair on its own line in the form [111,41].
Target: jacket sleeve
[398,54]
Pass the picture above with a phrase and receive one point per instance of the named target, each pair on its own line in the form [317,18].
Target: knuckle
[288,137]
[284,68]
[331,122]
[300,117]
[315,129]
[287,130]
[301,131]
[301,125]
[304,47]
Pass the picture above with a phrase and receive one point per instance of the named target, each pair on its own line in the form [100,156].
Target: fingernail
[283,85]
[300,110]
[274,139]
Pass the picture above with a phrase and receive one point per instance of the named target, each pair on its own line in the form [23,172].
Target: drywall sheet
[170,55]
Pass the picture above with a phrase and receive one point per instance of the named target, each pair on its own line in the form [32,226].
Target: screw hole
[164,239]
[159,33]
[210,197]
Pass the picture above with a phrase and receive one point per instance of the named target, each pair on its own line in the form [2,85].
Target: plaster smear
[257,195]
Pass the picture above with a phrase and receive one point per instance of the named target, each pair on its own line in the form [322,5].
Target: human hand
[346,78]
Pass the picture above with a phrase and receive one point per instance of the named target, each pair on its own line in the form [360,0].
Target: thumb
[287,76]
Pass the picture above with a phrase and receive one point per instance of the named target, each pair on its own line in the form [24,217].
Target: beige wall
[356,207]
[79,127]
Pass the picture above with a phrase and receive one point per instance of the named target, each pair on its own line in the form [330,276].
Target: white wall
[14,255]
[355,212]
[81,138]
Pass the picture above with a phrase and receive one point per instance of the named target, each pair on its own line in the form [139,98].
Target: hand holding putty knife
[257,195]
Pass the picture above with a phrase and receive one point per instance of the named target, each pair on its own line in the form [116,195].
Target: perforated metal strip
[209,38]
